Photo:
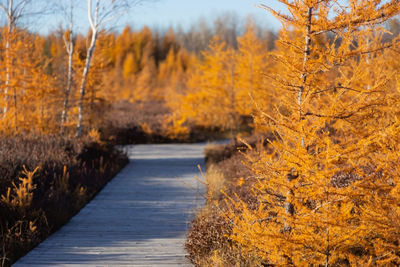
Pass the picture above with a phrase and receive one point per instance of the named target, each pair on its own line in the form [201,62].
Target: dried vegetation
[228,174]
[44,181]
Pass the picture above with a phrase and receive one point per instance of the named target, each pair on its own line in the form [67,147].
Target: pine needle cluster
[328,191]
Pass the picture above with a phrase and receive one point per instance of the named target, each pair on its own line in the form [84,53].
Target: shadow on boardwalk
[139,219]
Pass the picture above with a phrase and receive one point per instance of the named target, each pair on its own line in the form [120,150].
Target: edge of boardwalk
[139,219]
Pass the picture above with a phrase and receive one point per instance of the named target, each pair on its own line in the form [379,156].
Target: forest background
[67,97]
[103,87]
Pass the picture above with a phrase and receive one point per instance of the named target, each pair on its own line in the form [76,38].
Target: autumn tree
[33,96]
[211,98]
[380,209]
[325,120]
[253,64]
[144,87]
[13,11]
[173,75]
[225,82]
[100,12]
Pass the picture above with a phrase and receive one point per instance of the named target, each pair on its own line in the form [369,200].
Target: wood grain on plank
[139,219]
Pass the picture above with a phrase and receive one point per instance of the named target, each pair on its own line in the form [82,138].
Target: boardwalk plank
[139,219]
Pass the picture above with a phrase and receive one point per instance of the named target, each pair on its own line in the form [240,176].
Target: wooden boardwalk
[139,219]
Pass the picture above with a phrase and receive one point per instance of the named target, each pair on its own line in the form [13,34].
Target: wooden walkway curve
[139,219]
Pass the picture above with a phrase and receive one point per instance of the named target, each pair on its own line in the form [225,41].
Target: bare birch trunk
[8,64]
[69,45]
[103,13]
[83,82]
[94,24]
[13,11]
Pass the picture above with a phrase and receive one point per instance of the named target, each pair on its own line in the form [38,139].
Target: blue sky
[162,14]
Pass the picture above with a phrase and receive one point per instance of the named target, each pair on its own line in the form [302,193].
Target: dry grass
[145,122]
[208,241]
[132,123]
[44,181]
[215,182]
[218,153]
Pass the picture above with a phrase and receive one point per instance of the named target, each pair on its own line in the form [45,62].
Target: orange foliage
[227,83]
[332,174]
[329,186]
[29,102]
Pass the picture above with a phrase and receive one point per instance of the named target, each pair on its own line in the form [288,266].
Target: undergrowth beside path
[44,181]
[208,241]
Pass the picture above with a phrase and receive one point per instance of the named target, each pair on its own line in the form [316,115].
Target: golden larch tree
[324,122]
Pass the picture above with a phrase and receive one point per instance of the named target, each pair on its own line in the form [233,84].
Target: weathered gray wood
[139,219]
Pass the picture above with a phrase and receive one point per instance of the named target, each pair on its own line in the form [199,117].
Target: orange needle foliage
[30,96]
[324,188]
[212,94]
[213,90]
[221,89]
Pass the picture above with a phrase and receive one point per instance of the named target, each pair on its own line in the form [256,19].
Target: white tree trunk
[102,13]
[13,12]
[8,64]
[83,82]
[69,44]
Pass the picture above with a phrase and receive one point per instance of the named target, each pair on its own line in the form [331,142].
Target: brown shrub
[217,153]
[208,241]
[145,122]
[70,172]
[135,123]
[209,232]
